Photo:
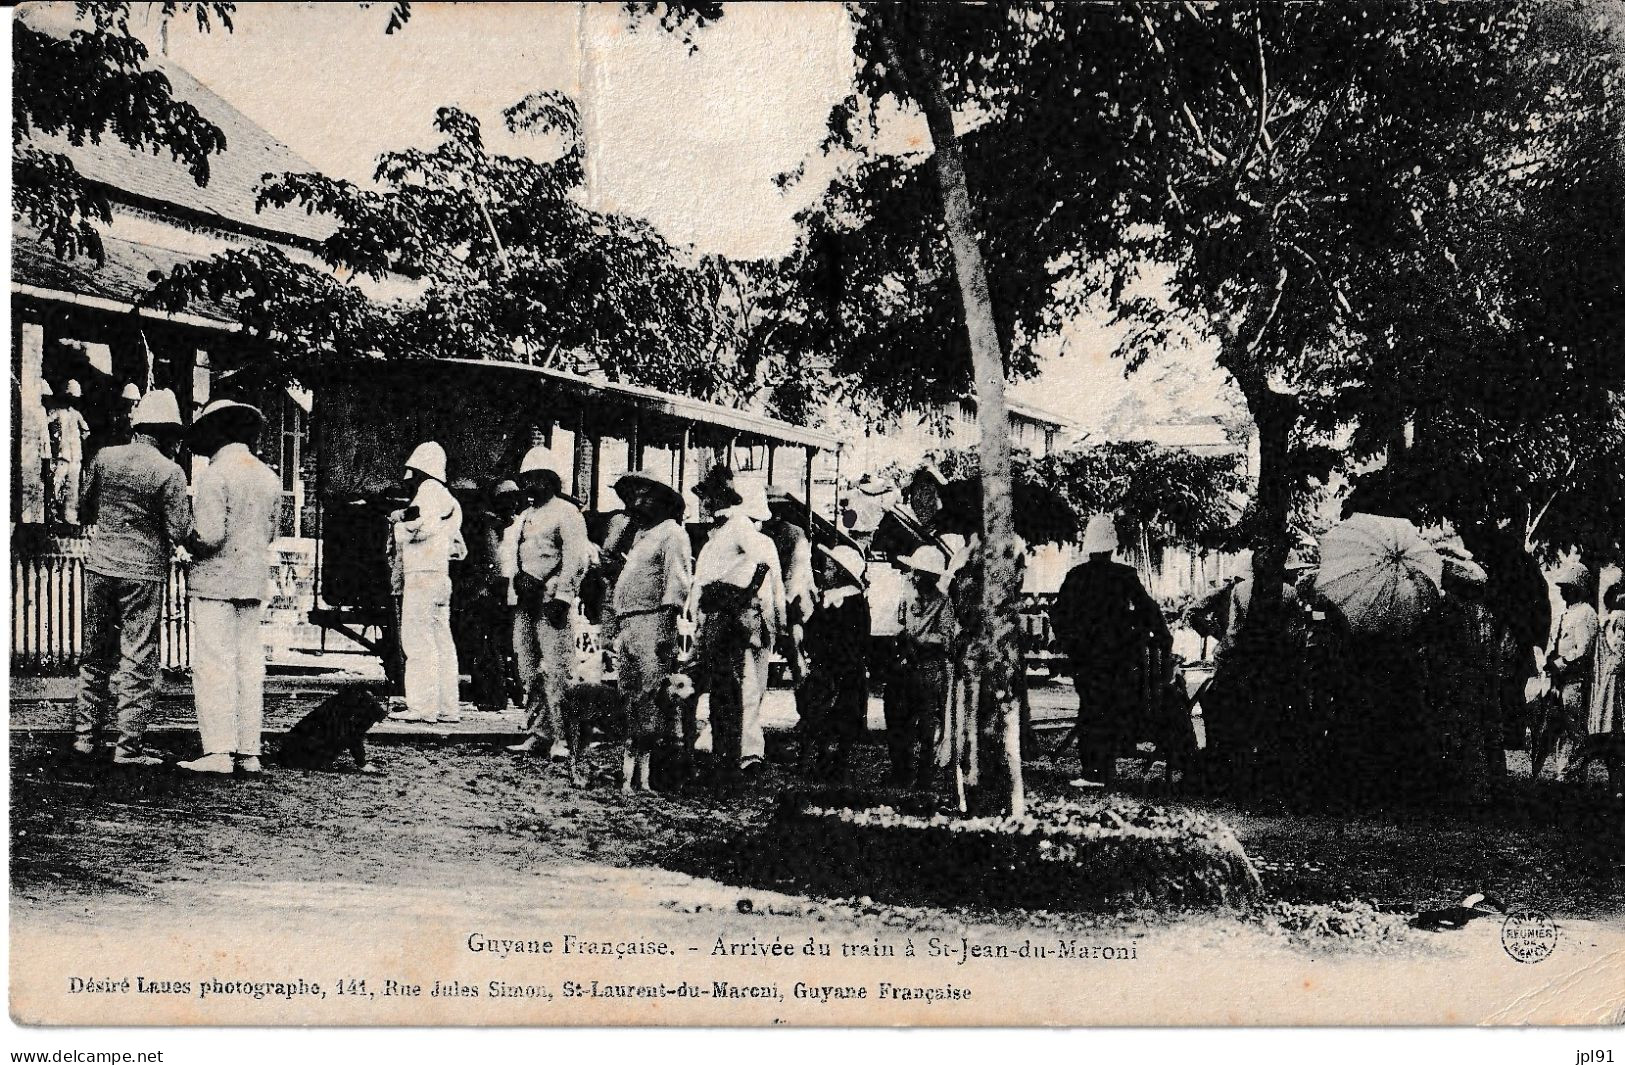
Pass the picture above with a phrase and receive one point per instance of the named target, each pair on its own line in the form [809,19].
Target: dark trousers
[916,695]
[483,629]
[120,666]
[1108,699]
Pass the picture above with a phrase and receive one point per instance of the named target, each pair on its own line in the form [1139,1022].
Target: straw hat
[716,489]
[752,504]
[849,559]
[649,478]
[928,472]
[1100,537]
[1572,573]
[926,559]
[228,420]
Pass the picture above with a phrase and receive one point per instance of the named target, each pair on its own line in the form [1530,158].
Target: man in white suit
[429,537]
[235,514]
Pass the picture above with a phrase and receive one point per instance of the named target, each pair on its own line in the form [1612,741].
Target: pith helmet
[157,410]
[1100,537]
[429,459]
[538,460]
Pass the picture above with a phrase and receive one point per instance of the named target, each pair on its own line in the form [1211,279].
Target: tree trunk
[997,659]
[1257,671]
[1274,415]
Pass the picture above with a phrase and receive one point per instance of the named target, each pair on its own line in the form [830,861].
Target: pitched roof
[122,278]
[234,174]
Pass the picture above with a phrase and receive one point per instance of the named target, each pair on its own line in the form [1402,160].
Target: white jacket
[430,542]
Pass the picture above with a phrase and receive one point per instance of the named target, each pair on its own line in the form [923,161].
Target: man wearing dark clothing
[1105,621]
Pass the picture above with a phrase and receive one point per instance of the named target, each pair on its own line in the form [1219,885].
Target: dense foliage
[91,83]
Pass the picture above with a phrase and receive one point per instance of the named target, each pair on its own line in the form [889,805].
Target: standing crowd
[524,571]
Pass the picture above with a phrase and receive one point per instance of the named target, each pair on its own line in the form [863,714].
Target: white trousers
[753,682]
[431,657]
[228,674]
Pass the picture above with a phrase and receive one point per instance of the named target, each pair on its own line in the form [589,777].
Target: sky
[690,141]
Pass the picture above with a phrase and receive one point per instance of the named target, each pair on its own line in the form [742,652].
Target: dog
[586,709]
[337,726]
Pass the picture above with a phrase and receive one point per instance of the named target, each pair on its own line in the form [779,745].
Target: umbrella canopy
[1380,573]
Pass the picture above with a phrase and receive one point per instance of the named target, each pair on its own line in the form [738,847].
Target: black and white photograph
[887,514]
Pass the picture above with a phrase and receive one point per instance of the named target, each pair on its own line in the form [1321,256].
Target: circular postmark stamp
[1528,936]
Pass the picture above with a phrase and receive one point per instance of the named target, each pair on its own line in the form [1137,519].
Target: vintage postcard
[817,514]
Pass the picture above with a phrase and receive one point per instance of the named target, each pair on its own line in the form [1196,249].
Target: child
[921,678]
[834,700]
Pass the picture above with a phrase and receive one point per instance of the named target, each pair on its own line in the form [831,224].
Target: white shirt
[731,555]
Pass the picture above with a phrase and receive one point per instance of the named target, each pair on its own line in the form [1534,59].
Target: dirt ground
[160,872]
[456,812]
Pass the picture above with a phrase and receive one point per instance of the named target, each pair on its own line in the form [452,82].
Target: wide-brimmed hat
[226,419]
[650,479]
[506,488]
[925,559]
[752,504]
[716,489]
[1100,538]
[1572,573]
[157,411]
[1299,560]
[928,472]
[849,559]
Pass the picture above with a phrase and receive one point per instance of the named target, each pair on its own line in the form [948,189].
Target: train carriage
[369,416]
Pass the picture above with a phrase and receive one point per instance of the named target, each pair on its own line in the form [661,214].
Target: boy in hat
[551,556]
[135,497]
[917,690]
[237,501]
[834,701]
